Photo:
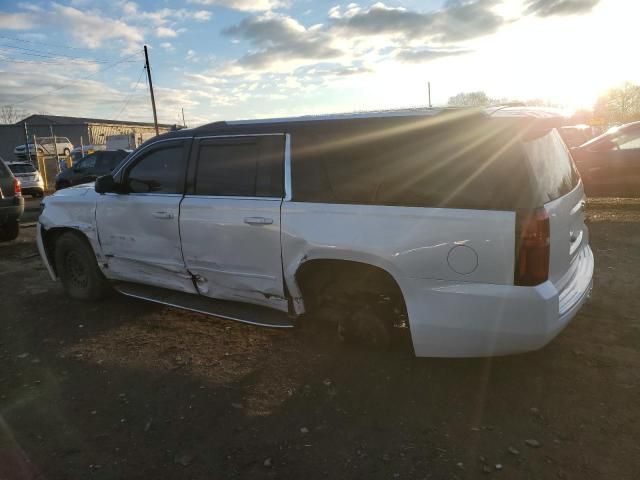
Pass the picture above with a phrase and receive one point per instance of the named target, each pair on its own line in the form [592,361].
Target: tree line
[616,106]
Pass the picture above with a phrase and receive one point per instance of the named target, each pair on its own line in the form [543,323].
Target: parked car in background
[45,146]
[389,219]
[610,164]
[11,204]
[30,179]
[78,153]
[90,167]
[576,135]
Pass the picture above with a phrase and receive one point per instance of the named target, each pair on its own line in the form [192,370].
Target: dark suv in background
[90,167]
[610,164]
[11,204]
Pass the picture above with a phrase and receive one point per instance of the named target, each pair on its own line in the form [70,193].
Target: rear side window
[161,170]
[241,167]
[411,162]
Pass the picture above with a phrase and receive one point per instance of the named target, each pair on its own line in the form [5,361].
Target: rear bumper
[11,209]
[450,319]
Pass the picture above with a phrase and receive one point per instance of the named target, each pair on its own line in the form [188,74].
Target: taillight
[533,243]
[17,188]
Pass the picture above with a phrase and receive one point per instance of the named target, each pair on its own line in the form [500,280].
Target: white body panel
[478,312]
[454,267]
[233,246]
[140,239]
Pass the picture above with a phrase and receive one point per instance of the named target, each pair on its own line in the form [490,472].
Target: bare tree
[469,99]
[619,105]
[9,114]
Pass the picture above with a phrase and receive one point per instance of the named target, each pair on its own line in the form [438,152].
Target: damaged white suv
[464,227]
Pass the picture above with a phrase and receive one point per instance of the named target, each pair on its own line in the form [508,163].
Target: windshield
[22,168]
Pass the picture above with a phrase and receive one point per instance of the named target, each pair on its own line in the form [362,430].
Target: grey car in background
[30,179]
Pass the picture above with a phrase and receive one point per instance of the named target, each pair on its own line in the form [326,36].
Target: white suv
[466,228]
[45,146]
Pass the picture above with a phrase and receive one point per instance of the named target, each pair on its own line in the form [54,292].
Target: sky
[237,59]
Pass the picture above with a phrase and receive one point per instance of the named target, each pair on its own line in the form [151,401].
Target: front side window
[246,167]
[158,171]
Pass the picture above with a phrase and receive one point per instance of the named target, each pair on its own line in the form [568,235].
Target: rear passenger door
[230,218]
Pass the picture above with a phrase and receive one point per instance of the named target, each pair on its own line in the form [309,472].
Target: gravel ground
[127,389]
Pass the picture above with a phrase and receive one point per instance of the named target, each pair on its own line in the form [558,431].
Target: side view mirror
[105,184]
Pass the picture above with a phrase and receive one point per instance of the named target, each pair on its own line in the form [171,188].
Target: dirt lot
[127,389]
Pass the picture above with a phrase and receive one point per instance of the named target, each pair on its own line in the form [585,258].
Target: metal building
[76,129]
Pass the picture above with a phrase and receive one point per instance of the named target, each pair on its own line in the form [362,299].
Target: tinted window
[159,171]
[629,140]
[22,168]
[411,162]
[247,167]
[113,159]
[87,163]
[553,171]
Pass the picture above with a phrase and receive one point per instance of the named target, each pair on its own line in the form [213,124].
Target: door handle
[258,221]
[162,215]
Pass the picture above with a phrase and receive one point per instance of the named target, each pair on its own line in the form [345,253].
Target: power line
[46,43]
[130,96]
[82,78]
[39,53]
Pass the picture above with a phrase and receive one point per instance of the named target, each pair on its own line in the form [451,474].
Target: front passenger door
[138,230]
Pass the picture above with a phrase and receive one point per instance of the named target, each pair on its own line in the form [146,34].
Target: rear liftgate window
[473,163]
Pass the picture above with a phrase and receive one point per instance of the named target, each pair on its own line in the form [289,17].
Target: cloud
[245,5]
[165,16]
[167,46]
[457,20]
[164,32]
[425,55]
[547,8]
[16,21]
[90,29]
[279,38]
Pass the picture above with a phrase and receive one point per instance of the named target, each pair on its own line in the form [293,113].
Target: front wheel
[77,268]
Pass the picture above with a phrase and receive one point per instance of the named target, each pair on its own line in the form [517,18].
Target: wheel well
[322,281]
[50,237]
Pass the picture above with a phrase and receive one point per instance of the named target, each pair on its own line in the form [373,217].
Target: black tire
[10,231]
[77,268]
[366,326]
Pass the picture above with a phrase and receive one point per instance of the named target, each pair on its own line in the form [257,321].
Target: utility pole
[26,138]
[184,124]
[153,99]
[429,92]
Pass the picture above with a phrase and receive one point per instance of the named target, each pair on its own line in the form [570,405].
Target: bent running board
[239,312]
